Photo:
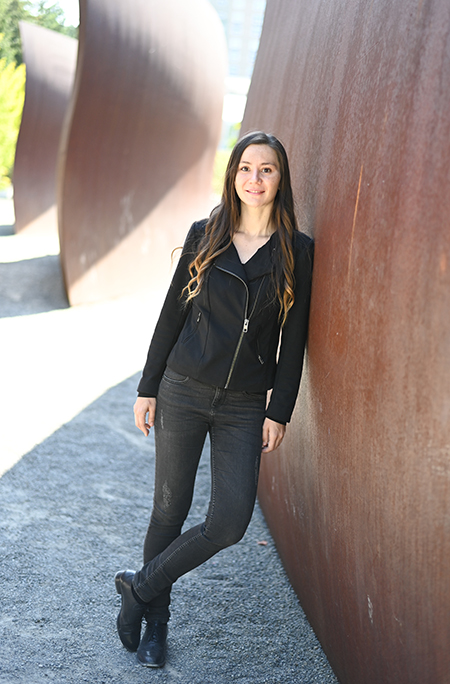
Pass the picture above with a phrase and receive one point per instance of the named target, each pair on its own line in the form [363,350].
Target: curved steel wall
[137,155]
[359,497]
[50,60]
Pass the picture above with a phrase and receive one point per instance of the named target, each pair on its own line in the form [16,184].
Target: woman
[244,275]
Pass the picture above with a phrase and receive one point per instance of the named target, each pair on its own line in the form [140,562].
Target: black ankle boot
[131,613]
[152,649]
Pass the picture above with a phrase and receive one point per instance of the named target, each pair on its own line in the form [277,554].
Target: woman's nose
[256,175]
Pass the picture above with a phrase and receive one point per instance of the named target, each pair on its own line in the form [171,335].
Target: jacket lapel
[260,264]
[229,261]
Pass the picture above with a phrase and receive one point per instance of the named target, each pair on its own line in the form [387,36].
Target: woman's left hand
[272,435]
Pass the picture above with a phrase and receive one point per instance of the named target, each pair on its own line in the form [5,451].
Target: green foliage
[234,135]
[12,92]
[13,11]
[221,159]
[220,165]
[51,17]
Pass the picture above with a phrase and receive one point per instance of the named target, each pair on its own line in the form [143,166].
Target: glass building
[242,20]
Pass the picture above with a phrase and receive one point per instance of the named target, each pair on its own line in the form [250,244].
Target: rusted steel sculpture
[138,151]
[50,60]
[359,497]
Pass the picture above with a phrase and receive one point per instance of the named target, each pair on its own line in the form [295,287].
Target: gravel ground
[74,510]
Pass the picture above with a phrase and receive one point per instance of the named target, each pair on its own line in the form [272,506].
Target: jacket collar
[260,264]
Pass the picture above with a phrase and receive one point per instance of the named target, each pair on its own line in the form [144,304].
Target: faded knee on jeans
[168,514]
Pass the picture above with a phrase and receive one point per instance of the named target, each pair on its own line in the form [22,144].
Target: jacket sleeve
[172,317]
[293,338]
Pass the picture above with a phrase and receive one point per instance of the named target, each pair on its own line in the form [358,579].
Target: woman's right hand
[142,407]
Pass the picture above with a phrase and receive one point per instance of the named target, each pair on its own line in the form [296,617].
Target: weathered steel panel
[50,60]
[359,496]
[138,151]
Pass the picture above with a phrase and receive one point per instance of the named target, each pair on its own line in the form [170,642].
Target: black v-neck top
[252,267]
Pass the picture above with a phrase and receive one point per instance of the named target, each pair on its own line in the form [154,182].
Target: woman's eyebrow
[262,164]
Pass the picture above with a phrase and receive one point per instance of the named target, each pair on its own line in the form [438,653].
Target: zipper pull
[245,328]
[199,317]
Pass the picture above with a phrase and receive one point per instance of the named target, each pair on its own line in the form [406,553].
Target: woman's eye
[244,168]
[267,170]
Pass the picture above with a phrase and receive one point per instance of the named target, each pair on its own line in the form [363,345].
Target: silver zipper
[238,346]
[246,321]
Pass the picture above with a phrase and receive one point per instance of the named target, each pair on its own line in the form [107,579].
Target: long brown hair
[224,222]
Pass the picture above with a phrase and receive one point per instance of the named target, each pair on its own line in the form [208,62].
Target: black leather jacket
[228,336]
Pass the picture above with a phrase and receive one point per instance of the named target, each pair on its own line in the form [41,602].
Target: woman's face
[258,176]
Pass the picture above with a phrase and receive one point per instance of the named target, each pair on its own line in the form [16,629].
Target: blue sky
[71,10]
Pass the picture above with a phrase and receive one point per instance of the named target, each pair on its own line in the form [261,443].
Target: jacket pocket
[191,328]
[174,377]
[258,352]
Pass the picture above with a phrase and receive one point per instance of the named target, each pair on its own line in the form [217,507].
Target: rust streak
[354,222]
[419,10]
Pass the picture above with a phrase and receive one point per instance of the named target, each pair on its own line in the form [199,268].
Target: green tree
[13,11]
[12,92]
[51,17]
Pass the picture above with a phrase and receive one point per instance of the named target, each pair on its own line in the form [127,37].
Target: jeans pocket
[255,399]
[174,377]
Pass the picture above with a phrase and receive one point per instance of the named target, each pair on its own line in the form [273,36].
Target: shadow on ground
[74,511]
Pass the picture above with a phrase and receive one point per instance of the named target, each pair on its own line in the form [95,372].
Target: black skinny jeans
[186,410]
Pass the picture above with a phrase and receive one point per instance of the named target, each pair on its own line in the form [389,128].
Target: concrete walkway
[75,497]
